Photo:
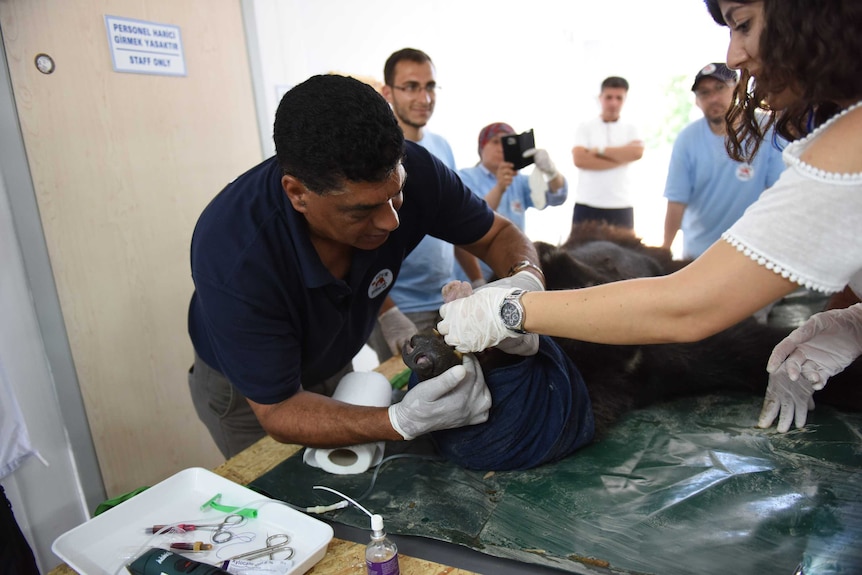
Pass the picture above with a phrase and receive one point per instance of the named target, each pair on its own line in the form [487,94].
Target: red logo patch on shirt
[744,172]
[381,281]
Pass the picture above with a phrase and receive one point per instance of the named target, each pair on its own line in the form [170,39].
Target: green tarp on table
[688,486]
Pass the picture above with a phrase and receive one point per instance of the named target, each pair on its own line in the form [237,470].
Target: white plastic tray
[106,543]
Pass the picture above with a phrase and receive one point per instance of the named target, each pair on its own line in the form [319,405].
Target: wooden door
[122,165]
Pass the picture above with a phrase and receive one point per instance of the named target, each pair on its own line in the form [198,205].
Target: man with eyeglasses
[410,87]
[706,190]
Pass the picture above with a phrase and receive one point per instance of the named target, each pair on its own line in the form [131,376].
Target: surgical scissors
[274,544]
[222,533]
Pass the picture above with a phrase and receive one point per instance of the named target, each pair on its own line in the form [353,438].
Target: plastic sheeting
[689,486]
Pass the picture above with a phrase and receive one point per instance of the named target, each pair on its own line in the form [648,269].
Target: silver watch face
[511,314]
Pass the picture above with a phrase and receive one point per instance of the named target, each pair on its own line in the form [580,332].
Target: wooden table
[342,557]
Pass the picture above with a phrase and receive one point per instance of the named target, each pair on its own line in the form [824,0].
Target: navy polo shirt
[267,313]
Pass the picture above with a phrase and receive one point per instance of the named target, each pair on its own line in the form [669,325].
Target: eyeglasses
[414,88]
[719,89]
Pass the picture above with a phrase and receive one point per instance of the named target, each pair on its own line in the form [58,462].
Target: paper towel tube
[357,388]
[364,388]
[346,460]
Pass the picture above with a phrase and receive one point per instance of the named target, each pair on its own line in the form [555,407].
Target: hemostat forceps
[221,531]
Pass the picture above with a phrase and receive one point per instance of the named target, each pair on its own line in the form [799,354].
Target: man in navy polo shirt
[293,259]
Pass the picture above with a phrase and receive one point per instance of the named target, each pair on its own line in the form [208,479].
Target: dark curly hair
[330,129]
[811,47]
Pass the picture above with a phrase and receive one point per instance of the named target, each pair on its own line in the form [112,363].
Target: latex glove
[455,398]
[789,396]
[473,323]
[397,329]
[519,344]
[821,347]
[543,162]
[456,290]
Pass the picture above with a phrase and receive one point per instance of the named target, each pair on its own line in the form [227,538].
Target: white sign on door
[145,47]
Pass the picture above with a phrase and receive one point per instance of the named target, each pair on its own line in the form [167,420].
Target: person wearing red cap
[506,190]
[604,148]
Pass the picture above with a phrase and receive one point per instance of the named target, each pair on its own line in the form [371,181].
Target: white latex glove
[455,398]
[821,347]
[517,343]
[789,396]
[456,290]
[397,329]
[543,161]
[473,323]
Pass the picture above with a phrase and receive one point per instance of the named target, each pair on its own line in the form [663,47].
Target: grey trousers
[225,411]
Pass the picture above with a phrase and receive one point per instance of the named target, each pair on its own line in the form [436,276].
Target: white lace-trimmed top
[808,226]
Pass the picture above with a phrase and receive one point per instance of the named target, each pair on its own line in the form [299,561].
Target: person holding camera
[506,190]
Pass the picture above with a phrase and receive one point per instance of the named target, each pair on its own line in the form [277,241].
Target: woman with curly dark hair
[800,64]
[823,50]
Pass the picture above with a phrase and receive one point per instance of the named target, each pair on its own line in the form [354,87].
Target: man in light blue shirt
[706,190]
[410,88]
[507,191]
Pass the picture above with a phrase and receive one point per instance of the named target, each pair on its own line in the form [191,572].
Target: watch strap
[526,264]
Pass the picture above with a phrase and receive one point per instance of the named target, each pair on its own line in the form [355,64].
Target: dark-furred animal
[617,379]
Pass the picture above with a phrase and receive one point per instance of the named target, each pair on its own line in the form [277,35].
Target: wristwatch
[512,312]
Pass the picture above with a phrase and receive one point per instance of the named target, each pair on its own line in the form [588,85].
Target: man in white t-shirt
[604,148]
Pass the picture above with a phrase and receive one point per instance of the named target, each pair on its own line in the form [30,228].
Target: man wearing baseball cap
[707,191]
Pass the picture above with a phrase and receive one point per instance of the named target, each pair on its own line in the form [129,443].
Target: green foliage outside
[676,113]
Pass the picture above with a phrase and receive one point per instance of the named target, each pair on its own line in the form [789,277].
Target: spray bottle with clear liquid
[381,554]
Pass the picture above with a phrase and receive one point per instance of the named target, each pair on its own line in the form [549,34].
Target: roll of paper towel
[357,388]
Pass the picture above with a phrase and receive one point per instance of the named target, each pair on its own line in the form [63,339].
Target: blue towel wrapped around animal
[571,392]
[540,411]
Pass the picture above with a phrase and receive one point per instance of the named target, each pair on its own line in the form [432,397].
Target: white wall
[47,500]
[531,64]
